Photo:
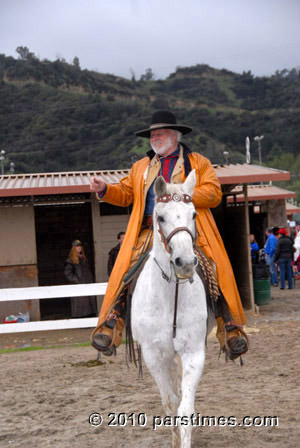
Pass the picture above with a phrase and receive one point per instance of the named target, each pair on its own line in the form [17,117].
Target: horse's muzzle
[184,271]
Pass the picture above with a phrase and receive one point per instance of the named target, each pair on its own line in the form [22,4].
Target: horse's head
[174,223]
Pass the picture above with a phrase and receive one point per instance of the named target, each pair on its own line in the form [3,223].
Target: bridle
[166,240]
[176,198]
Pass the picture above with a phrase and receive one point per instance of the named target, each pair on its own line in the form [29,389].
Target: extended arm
[119,194]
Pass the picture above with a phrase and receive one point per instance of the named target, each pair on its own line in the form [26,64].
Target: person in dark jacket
[113,253]
[77,271]
[284,257]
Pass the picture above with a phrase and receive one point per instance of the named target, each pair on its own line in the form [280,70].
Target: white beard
[162,149]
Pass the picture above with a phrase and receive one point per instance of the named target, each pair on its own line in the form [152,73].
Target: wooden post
[97,240]
[96,223]
[249,261]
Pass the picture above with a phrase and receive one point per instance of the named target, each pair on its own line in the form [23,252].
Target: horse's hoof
[101,342]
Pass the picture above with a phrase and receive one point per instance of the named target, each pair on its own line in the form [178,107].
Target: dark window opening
[56,227]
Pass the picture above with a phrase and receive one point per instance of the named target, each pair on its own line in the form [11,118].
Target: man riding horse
[173,160]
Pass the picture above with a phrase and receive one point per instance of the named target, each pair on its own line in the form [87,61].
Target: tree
[76,62]
[25,54]
[148,76]
[133,78]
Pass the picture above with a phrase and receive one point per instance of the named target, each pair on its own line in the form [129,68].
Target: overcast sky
[114,36]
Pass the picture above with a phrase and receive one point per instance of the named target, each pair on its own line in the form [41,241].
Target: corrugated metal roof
[291,209]
[260,193]
[246,173]
[79,181]
[55,183]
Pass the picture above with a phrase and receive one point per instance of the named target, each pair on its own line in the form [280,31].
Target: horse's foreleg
[159,368]
[175,373]
[165,373]
[192,367]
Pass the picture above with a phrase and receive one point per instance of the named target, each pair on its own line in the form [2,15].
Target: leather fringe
[208,274]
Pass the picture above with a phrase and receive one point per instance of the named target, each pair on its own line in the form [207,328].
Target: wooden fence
[51,292]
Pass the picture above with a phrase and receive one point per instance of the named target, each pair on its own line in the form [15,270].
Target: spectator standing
[77,271]
[270,248]
[284,255]
[113,253]
[254,249]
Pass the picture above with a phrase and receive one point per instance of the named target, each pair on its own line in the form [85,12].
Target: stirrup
[111,335]
[107,350]
[103,345]
[110,351]
[235,346]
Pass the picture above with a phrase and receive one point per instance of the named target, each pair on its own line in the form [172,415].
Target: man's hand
[97,185]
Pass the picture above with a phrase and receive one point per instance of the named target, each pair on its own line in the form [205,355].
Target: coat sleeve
[70,274]
[121,194]
[207,192]
[277,251]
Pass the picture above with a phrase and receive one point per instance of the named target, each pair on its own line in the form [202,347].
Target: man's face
[163,141]
[121,239]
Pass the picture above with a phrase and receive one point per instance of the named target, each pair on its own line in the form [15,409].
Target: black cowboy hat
[163,119]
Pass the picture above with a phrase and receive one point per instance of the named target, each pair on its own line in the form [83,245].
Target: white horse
[152,315]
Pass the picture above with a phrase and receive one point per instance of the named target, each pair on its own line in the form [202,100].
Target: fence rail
[50,292]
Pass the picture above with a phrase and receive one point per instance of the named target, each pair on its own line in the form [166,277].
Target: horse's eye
[194,215]
[160,218]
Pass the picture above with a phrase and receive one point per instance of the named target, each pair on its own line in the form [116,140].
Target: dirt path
[48,395]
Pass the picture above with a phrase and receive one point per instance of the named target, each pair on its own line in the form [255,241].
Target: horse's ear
[160,187]
[189,184]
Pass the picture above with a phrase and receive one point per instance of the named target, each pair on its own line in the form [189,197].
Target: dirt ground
[48,395]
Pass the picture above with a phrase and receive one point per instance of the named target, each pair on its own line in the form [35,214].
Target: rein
[175,309]
[166,240]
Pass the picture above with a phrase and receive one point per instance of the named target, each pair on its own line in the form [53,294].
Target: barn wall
[17,236]
[18,259]
[276,211]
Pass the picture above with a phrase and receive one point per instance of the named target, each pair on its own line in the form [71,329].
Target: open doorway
[232,225]
[57,226]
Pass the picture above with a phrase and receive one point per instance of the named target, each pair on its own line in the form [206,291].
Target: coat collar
[186,152]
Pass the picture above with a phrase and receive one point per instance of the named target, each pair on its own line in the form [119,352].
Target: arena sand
[47,396]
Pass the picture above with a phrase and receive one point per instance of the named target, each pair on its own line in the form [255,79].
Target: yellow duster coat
[207,194]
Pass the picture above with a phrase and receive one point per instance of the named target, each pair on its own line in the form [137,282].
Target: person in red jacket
[173,160]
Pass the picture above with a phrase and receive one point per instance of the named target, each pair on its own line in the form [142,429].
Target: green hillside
[56,117]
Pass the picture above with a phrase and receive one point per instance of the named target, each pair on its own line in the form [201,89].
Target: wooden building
[41,214]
